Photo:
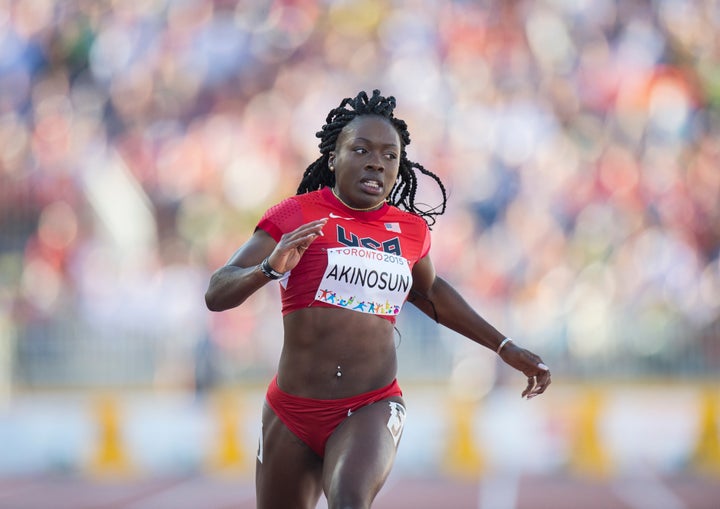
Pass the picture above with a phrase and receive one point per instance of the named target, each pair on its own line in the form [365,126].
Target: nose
[375,162]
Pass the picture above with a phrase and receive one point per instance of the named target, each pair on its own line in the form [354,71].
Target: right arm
[241,276]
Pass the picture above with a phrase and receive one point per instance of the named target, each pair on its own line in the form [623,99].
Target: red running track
[525,492]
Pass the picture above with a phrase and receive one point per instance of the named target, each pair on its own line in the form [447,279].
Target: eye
[360,150]
[391,156]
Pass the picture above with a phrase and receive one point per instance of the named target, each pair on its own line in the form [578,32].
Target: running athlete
[348,250]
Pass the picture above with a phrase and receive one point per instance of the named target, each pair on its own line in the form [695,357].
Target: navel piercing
[339,372]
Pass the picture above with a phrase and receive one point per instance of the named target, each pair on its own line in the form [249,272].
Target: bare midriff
[336,353]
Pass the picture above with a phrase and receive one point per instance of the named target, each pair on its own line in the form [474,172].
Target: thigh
[288,473]
[360,453]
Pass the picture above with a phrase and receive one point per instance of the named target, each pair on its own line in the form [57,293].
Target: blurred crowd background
[140,141]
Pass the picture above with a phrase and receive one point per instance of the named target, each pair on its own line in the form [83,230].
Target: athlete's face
[366,161]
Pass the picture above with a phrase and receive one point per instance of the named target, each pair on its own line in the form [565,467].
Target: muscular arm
[241,276]
[440,301]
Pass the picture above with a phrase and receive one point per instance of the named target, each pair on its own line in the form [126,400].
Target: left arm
[440,301]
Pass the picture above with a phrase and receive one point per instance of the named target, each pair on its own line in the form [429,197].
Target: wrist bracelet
[502,344]
[269,272]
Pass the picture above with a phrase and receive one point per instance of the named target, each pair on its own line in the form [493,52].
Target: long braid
[402,195]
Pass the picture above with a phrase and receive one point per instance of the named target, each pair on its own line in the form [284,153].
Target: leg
[288,473]
[360,454]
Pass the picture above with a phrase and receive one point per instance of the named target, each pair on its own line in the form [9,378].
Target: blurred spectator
[139,139]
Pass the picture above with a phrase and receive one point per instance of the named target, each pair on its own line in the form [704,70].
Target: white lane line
[647,491]
[499,491]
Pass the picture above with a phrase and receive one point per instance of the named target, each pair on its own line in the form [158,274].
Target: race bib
[365,280]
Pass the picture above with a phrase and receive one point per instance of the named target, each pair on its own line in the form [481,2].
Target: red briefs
[314,420]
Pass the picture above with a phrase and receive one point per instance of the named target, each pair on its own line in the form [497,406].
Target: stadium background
[140,142]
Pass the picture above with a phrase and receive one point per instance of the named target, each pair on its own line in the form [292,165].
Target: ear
[331,160]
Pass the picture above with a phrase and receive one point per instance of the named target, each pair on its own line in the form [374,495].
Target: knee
[349,497]
[348,503]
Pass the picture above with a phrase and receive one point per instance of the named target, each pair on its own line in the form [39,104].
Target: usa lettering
[351,240]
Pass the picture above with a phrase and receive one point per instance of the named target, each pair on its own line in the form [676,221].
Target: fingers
[302,236]
[313,228]
[293,245]
[537,372]
[537,382]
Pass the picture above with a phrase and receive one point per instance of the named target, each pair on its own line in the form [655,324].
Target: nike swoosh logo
[335,216]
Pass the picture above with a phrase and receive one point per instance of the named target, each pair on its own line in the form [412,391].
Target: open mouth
[371,186]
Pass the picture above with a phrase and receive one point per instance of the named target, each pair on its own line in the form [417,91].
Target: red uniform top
[363,261]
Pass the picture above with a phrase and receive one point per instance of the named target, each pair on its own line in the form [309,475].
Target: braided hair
[402,195]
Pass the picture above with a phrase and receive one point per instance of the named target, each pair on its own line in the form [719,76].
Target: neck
[374,207]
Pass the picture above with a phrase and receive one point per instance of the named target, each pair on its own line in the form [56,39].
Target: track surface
[493,492]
